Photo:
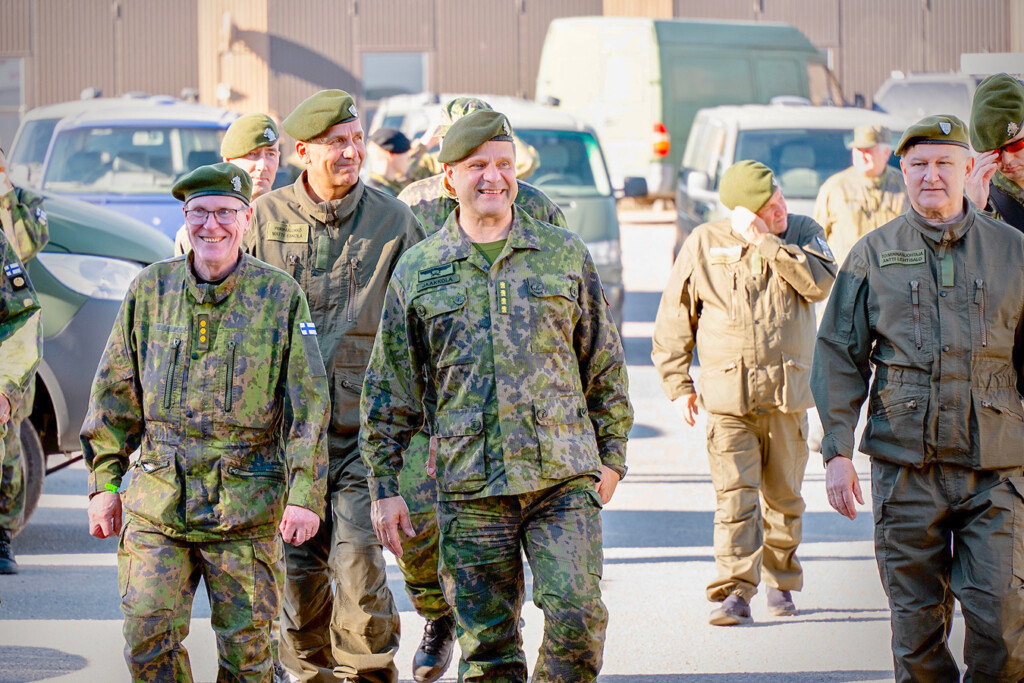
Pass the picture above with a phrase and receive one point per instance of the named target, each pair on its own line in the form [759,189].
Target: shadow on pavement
[789,676]
[24,664]
[640,431]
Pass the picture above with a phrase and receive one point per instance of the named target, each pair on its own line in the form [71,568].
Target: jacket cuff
[831,447]
[382,487]
[305,498]
[100,478]
[613,455]
[684,389]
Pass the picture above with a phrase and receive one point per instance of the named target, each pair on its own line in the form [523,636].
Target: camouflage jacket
[342,254]
[20,341]
[748,310]
[222,386]
[385,185]
[937,315]
[1015,192]
[850,206]
[24,222]
[432,203]
[523,358]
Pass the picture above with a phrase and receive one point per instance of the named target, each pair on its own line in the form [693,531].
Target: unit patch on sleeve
[825,251]
[314,360]
[16,275]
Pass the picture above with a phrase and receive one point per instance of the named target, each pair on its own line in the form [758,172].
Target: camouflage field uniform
[1015,191]
[432,202]
[385,185]
[26,229]
[531,399]
[850,205]
[223,388]
[342,254]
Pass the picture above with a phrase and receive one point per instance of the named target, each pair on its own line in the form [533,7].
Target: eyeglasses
[1013,147]
[200,216]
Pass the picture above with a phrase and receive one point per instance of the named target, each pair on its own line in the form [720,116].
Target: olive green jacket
[223,388]
[936,316]
[849,206]
[748,310]
[523,358]
[342,254]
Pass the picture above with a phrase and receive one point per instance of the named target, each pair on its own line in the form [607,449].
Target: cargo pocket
[1000,428]
[1018,530]
[461,461]
[796,385]
[350,359]
[448,329]
[565,437]
[268,577]
[253,493]
[554,311]
[154,486]
[895,425]
[247,377]
[724,389]
[161,373]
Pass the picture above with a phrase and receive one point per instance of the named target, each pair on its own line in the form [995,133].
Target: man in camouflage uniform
[432,201]
[931,304]
[212,368]
[252,143]
[996,183]
[388,160]
[742,291]
[340,240]
[26,231]
[495,332]
[870,193]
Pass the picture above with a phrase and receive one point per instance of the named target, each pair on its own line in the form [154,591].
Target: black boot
[435,650]
[7,563]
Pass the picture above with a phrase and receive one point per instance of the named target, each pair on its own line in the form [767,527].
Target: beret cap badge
[236,183]
[1011,129]
[945,127]
[269,134]
[352,110]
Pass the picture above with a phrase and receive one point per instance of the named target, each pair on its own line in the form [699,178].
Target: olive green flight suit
[748,309]
[850,205]
[937,316]
[342,254]
[529,382]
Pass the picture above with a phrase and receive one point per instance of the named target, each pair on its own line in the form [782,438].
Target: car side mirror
[634,186]
[697,181]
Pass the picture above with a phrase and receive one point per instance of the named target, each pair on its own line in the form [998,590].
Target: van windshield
[128,160]
[569,162]
[802,159]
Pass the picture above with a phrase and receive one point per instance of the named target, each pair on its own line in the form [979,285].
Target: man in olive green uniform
[495,332]
[742,291]
[213,370]
[26,231]
[388,160]
[996,183]
[933,305]
[340,240]
[870,193]
[432,200]
[252,143]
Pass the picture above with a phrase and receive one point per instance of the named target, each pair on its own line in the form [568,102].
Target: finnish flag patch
[12,270]
[307,329]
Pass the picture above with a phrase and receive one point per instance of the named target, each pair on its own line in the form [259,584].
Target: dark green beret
[247,133]
[941,129]
[471,131]
[455,109]
[223,178]
[749,184]
[318,113]
[997,114]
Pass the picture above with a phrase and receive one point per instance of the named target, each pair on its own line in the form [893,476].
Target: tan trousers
[757,468]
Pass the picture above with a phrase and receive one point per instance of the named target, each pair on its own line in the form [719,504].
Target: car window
[570,162]
[801,158]
[913,101]
[27,156]
[128,160]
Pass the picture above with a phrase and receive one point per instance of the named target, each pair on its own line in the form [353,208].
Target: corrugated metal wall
[238,56]
[157,46]
[533,26]
[15,17]
[476,46]
[656,9]
[395,25]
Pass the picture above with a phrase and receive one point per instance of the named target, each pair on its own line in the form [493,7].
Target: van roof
[749,116]
[130,109]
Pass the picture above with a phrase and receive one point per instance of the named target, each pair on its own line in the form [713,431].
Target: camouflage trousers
[12,472]
[353,630]
[757,468]
[158,577]
[945,532]
[481,544]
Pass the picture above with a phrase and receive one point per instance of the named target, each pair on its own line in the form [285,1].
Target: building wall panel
[15,36]
[476,46]
[735,10]
[956,26]
[871,50]
[818,19]
[233,48]
[533,27]
[395,25]
[73,47]
[159,46]
[655,9]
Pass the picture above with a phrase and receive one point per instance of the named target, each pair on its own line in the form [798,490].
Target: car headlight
[92,276]
[607,253]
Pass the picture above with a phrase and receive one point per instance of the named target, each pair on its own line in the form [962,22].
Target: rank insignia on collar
[945,127]
[307,329]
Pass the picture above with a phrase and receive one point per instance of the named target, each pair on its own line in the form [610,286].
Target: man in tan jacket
[742,289]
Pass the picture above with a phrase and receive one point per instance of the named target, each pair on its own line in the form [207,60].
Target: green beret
[997,114]
[248,133]
[749,184]
[941,129]
[223,178]
[457,108]
[318,113]
[866,137]
[471,131]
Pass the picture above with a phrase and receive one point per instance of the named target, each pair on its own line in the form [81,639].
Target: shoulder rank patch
[288,232]
[437,276]
[823,245]
[722,255]
[896,257]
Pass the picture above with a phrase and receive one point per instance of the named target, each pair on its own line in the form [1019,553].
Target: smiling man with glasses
[996,184]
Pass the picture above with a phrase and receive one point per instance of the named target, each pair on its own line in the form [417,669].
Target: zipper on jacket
[732,308]
[293,262]
[353,263]
[229,377]
[915,302]
[265,474]
[979,301]
[169,380]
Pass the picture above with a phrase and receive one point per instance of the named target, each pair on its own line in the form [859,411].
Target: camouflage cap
[866,137]
[247,133]
[997,114]
[749,184]
[223,178]
[319,112]
[471,131]
[455,109]
[941,129]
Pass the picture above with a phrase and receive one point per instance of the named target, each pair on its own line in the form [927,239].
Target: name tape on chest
[437,276]
[288,232]
[722,255]
[897,257]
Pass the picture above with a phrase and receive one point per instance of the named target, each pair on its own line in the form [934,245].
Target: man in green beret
[496,334]
[870,193]
[213,373]
[340,240]
[742,291]
[252,143]
[996,183]
[932,305]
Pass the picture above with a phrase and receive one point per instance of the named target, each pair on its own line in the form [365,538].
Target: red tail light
[662,140]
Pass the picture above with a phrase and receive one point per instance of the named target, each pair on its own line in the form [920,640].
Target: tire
[34,469]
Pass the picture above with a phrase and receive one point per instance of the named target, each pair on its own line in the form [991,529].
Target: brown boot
[733,611]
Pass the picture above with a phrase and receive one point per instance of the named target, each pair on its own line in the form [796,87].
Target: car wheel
[34,469]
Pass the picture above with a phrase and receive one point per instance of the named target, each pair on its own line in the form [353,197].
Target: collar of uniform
[455,246]
[722,230]
[1008,186]
[332,210]
[935,232]
[207,293]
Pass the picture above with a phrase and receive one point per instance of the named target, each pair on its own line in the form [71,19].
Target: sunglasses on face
[1013,147]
